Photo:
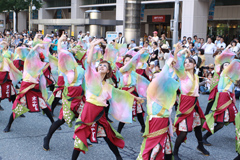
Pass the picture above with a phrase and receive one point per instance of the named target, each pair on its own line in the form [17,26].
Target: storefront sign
[211,10]
[142,12]
[111,35]
[159,18]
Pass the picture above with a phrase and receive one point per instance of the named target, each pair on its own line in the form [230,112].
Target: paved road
[24,142]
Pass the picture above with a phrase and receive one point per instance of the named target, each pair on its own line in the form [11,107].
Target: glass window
[89,2]
[226,2]
[58,3]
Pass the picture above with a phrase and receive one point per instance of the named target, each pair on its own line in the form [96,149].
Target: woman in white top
[234,48]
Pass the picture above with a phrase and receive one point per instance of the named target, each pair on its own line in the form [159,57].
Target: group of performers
[109,78]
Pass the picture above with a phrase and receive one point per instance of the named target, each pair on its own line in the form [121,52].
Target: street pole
[175,31]
[30,11]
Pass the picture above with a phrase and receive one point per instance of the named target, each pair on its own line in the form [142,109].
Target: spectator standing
[217,41]
[87,37]
[132,44]
[162,56]
[79,35]
[184,39]
[194,39]
[154,54]
[20,43]
[209,49]
[120,39]
[221,45]
[54,45]
[155,37]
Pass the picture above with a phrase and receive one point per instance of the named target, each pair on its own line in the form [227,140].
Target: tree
[18,5]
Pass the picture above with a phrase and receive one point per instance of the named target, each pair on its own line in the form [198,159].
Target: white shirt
[155,38]
[234,49]
[87,38]
[221,45]
[209,48]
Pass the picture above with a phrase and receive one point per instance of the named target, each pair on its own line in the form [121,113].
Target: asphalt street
[25,140]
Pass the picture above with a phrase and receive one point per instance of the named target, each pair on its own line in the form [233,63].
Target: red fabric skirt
[156,124]
[92,113]
[47,73]
[213,93]
[19,64]
[60,85]
[143,73]
[134,108]
[74,91]
[6,84]
[186,102]
[32,97]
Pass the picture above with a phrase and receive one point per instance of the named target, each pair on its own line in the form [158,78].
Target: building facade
[196,17]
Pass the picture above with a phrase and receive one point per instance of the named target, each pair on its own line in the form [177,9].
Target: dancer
[72,93]
[9,77]
[135,84]
[189,113]
[161,96]
[92,122]
[225,57]
[224,110]
[33,93]
[21,54]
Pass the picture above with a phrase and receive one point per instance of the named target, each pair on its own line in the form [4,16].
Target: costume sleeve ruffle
[93,80]
[233,70]
[33,64]
[22,52]
[121,103]
[162,89]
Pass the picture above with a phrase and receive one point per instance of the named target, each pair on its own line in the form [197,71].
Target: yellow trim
[28,88]
[225,105]
[157,133]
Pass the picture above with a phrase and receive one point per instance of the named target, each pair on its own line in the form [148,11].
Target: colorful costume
[92,123]
[161,95]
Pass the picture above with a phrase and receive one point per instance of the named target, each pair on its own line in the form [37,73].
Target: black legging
[182,135]
[209,107]
[140,119]
[45,110]
[216,128]
[52,129]
[113,148]
[54,103]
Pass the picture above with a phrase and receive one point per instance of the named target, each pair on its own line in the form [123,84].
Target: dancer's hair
[127,56]
[221,68]
[109,74]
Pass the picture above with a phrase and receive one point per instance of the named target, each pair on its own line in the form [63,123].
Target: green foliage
[18,5]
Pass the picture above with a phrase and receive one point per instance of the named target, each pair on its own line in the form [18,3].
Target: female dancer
[9,77]
[33,93]
[224,110]
[21,54]
[224,57]
[92,122]
[135,84]
[161,95]
[189,113]
[72,94]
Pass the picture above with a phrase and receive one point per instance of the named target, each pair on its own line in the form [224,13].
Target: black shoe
[1,109]
[7,129]
[119,158]
[143,129]
[202,149]
[109,120]
[238,157]
[205,142]
[22,115]
[46,144]
[89,144]
[176,157]
[17,87]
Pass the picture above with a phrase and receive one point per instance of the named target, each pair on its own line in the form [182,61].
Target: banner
[211,10]
[142,11]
